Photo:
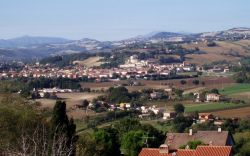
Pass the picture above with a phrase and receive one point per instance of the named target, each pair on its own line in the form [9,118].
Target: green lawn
[234,89]
[164,128]
[206,107]
[187,73]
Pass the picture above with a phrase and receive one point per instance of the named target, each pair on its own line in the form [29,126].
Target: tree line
[26,131]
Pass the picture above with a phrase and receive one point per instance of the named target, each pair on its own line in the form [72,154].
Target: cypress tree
[62,126]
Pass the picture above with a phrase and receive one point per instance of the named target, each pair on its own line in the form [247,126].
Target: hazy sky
[118,19]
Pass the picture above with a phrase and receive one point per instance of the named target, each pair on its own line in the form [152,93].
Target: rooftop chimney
[210,143]
[164,149]
[219,129]
[190,132]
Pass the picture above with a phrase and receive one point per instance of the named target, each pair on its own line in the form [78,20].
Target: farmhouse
[217,143]
[213,138]
[169,115]
[213,97]
[124,106]
[203,117]
[156,95]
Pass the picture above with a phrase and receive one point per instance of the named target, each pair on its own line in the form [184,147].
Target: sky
[118,19]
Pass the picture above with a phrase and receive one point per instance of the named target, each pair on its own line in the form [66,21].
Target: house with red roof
[199,151]
[216,143]
[214,138]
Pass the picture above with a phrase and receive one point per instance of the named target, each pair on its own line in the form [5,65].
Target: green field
[187,73]
[164,127]
[234,89]
[212,107]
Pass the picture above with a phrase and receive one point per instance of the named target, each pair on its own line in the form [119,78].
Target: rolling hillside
[231,51]
[232,45]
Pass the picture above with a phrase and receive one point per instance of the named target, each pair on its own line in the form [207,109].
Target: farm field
[208,107]
[71,99]
[243,112]
[210,82]
[90,62]
[154,123]
[223,51]
[243,96]
[235,89]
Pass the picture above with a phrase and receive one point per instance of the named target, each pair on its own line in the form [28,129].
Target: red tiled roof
[152,152]
[213,151]
[200,151]
[156,152]
[185,152]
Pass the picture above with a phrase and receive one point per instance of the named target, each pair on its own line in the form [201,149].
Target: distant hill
[28,47]
[27,41]
[39,47]
[227,34]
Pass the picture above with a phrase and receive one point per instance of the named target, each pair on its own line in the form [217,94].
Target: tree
[205,126]
[85,103]
[196,82]
[230,125]
[245,149]
[25,92]
[180,123]
[203,96]
[214,90]
[183,82]
[132,142]
[179,108]
[178,92]
[127,125]
[61,126]
[85,145]
[203,83]
[118,95]
[154,137]
[244,125]
[107,142]
[195,115]
[197,49]
[24,130]
[192,144]
[211,44]
[242,143]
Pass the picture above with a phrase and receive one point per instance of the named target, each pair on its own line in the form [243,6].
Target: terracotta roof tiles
[213,151]
[200,151]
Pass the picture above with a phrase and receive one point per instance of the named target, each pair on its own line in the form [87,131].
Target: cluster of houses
[214,143]
[49,92]
[145,111]
[133,68]
[214,69]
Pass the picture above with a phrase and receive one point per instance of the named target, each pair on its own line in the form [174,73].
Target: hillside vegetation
[90,62]
[231,51]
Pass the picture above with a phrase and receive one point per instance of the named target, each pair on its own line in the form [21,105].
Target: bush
[183,82]
[192,144]
[179,108]
[211,44]
[196,82]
